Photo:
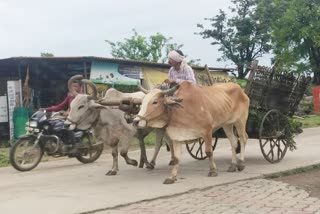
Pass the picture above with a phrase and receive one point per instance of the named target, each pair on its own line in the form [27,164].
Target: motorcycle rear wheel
[25,155]
[94,152]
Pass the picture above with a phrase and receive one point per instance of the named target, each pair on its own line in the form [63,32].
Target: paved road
[68,186]
[256,196]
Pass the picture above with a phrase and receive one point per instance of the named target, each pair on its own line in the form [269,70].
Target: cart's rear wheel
[197,148]
[274,136]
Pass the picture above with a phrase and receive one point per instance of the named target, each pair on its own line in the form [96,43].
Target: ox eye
[80,107]
[155,102]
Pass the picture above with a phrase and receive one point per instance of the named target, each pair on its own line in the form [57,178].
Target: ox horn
[94,96]
[143,89]
[171,90]
[71,80]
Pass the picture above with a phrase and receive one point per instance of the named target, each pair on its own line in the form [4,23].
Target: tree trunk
[241,74]
[315,64]
[316,77]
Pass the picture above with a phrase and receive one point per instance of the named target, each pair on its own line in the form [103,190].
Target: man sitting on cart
[180,70]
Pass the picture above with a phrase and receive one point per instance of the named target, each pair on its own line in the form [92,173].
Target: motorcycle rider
[64,108]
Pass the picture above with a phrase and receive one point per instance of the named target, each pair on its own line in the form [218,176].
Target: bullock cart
[274,98]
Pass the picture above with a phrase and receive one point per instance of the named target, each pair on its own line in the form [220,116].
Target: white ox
[196,112]
[109,124]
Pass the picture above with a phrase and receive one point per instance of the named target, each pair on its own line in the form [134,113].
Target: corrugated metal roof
[89,58]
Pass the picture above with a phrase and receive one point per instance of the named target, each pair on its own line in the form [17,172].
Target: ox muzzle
[140,122]
[69,124]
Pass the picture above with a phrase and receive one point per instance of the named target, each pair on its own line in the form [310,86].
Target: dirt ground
[309,181]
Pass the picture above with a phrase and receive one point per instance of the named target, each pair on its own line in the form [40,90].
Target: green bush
[242,82]
[4,157]
[307,107]
[125,88]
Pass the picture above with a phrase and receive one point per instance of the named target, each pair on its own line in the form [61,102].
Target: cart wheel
[197,150]
[274,135]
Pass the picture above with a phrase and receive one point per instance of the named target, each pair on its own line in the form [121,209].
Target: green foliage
[242,38]
[149,140]
[254,122]
[309,121]
[4,157]
[294,171]
[125,88]
[296,35]
[242,82]
[155,48]
[47,55]
[307,107]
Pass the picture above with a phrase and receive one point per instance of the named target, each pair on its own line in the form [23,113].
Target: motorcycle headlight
[33,124]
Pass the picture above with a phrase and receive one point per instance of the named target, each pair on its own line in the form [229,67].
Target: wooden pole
[85,74]
[254,67]
[209,76]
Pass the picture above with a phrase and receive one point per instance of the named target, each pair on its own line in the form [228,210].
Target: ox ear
[173,101]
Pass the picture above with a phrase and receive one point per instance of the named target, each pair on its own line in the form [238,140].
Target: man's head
[77,86]
[176,57]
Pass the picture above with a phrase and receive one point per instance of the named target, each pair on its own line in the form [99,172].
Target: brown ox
[196,112]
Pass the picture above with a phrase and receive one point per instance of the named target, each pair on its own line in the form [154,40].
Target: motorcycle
[46,133]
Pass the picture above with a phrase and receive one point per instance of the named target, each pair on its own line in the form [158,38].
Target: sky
[80,27]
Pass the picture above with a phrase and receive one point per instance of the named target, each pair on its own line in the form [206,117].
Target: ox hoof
[212,174]
[153,163]
[149,166]
[169,181]
[133,162]
[171,163]
[141,164]
[232,167]
[111,173]
[240,165]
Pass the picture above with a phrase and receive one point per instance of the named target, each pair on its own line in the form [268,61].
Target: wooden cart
[274,97]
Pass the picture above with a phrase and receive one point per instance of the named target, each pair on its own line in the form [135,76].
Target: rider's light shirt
[183,74]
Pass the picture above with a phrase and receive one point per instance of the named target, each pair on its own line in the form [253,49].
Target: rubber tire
[13,150]
[84,160]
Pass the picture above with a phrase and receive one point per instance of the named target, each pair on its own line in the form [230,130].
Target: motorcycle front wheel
[93,150]
[25,155]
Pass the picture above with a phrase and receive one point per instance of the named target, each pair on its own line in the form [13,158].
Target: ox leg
[208,149]
[169,144]
[159,140]
[160,136]
[115,167]
[241,129]
[177,157]
[143,155]
[129,161]
[233,141]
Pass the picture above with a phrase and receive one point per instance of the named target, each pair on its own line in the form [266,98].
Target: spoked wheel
[92,150]
[197,148]
[274,136]
[25,154]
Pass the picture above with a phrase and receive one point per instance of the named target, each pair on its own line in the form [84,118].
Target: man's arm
[60,106]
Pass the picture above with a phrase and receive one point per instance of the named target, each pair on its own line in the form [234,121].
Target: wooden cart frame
[275,95]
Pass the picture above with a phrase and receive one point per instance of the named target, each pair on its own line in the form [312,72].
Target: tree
[296,38]
[243,37]
[137,47]
[47,55]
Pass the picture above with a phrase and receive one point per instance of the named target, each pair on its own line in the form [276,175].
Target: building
[35,82]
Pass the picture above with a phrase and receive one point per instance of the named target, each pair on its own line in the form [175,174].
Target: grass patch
[4,157]
[242,82]
[309,121]
[293,171]
[149,140]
